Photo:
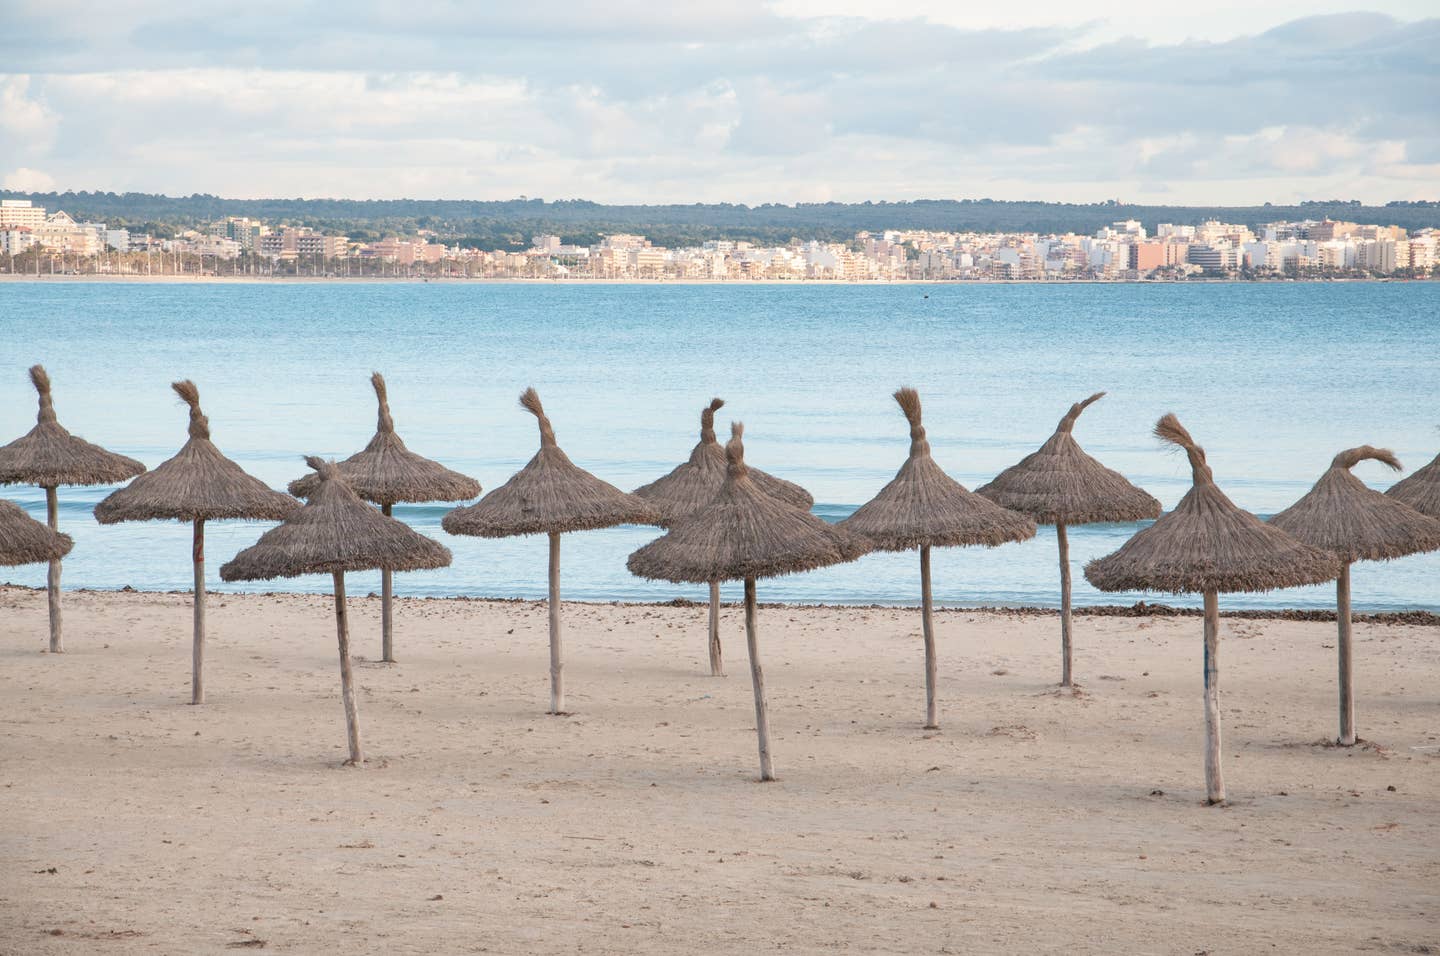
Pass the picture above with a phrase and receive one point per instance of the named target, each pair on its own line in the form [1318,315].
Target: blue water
[1273,380]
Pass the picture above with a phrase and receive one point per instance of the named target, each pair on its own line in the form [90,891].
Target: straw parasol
[336,532]
[922,507]
[388,473]
[744,533]
[23,540]
[550,495]
[1356,523]
[1208,544]
[49,456]
[1061,485]
[694,484]
[199,484]
[1421,490]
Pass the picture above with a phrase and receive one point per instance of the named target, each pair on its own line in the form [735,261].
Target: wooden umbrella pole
[927,624]
[757,679]
[387,586]
[52,581]
[1347,689]
[1064,541]
[1214,779]
[717,664]
[347,683]
[557,664]
[197,653]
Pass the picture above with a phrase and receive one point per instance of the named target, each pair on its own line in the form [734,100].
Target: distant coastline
[591,280]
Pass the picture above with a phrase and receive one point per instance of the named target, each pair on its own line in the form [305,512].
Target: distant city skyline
[1123,250]
[793,101]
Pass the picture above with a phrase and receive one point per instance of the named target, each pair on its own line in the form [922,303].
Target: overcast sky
[795,100]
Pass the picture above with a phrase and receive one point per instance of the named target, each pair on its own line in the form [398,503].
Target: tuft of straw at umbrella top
[694,483]
[1208,543]
[550,495]
[1061,484]
[23,540]
[335,532]
[49,456]
[387,472]
[922,506]
[198,484]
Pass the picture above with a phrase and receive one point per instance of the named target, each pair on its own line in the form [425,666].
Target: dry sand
[134,823]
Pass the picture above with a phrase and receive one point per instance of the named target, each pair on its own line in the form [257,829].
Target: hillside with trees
[509,224]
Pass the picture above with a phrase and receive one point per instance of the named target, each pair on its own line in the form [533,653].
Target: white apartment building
[1335,255]
[1168,230]
[21,212]
[1423,252]
[16,239]
[648,260]
[242,229]
[1125,229]
[217,246]
[1281,254]
[1108,257]
[1216,256]
[624,241]
[1382,255]
[60,233]
[1214,230]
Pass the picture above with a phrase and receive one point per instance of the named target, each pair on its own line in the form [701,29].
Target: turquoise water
[1273,379]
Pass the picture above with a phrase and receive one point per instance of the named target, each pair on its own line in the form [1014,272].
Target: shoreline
[1142,609]
[585,281]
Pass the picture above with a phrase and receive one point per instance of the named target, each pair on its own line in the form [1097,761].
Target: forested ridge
[511,223]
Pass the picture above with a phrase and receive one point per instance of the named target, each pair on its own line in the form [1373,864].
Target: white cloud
[1165,23]
[28,180]
[743,102]
[27,127]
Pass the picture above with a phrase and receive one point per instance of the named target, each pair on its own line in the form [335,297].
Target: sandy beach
[136,823]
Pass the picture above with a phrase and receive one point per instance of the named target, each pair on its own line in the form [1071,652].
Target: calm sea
[1273,379]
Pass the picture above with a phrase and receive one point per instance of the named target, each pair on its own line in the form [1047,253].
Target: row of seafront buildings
[25,227]
[1123,250]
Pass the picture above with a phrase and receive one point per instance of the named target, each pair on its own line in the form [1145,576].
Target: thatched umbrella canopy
[922,507]
[551,495]
[49,456]
[23,540]
[333,533]
[1421,490]
[745,533]
[694,484]
[1208,544]
[388,473]
[199,484]
[1356,523]
[1061,485]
